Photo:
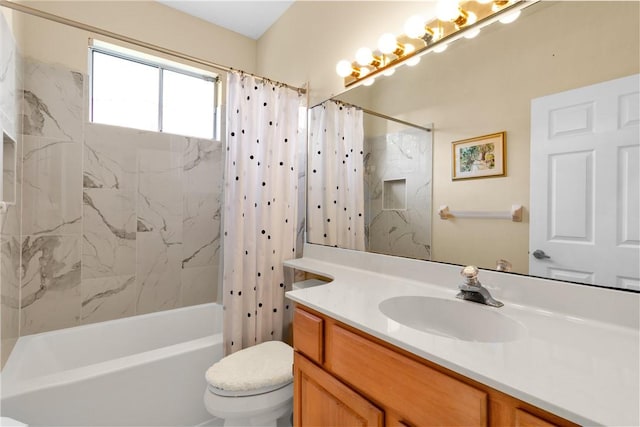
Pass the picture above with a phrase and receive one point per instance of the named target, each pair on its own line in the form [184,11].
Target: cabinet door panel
[308,337]
[525,419]
[421,395]
[323,401]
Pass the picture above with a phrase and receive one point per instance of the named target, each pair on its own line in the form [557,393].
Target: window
[135,90]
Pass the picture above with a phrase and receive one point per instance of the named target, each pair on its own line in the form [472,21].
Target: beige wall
[476,87]
[305,44]
[148,21]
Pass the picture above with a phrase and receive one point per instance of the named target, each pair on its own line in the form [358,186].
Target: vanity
[554,354]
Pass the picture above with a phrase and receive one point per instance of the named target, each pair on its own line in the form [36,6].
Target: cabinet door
[323,401]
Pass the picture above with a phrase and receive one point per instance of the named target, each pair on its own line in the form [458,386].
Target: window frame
[160,66]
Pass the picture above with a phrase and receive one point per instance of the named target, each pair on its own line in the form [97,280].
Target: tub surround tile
[50,284]
[52,198]
[202,188]
[201,231]
[52,101]
[159,203]
[8,80]
[158,271]
[10,271]
[115,222]
[108,298]
[10,222]
[199,285]
[109,233]
[110,157]
[404,232]
[202,165]
[9,295]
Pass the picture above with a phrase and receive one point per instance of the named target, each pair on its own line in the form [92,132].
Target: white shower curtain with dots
[335,206]
[260,208]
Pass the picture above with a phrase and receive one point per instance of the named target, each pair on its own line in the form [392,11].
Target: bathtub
[145,370]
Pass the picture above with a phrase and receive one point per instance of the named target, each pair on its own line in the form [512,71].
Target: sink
[463,320]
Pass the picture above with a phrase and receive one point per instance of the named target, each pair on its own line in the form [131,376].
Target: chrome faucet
[472,290]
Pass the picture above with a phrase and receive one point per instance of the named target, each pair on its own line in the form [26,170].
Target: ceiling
[249,18]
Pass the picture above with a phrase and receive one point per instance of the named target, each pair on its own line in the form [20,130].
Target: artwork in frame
[479,157]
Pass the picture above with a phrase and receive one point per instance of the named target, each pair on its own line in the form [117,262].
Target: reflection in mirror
[488,85]
[369,185]
[397,188]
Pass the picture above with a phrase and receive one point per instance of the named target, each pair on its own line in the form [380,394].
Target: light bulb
[413,61]
[364,71]
[447,10]
[369,81]
[484,1]
[344,68]
[472,18]
[389,72]
[364,56]
[440,48]
[409,48]
[472,33]
[414,27]
[387,43]
[510,17]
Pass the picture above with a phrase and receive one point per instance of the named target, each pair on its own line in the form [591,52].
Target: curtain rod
[79,25]
[375,113]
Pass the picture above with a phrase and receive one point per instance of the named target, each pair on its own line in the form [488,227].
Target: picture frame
[479,157]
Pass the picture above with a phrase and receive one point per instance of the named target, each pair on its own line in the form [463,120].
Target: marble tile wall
[116,222]
[10,81]
[404,155]
[52,128]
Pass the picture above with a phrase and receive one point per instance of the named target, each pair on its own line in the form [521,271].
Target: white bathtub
[145,370]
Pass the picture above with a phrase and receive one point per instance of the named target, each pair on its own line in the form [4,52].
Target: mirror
[484,86]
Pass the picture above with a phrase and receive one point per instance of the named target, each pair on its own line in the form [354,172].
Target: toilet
[253,386]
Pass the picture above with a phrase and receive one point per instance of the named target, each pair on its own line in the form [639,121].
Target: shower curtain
[260,208]
[335,206]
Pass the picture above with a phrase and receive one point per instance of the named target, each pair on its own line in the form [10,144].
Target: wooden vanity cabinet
[344,377]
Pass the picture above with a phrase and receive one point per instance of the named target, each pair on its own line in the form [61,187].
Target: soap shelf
[514,215]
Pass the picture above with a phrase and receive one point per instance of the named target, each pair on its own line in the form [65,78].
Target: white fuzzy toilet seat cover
[264,365]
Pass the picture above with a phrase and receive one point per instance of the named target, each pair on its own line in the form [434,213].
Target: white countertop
[582,368]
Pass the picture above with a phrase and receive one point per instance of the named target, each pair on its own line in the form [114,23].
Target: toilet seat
[255,370]
[244,393]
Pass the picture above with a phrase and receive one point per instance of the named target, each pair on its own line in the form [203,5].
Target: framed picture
[479,157]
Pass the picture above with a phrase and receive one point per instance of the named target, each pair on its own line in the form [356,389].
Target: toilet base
[283,421]
[271,409]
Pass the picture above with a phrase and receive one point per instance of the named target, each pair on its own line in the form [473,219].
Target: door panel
[584,215]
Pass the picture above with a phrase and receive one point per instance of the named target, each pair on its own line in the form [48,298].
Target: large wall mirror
[544,81]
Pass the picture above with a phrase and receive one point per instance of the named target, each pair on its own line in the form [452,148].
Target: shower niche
[394,195]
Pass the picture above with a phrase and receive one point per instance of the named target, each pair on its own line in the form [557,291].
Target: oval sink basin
[464,320]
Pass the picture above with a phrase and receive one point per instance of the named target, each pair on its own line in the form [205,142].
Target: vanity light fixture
[455,19]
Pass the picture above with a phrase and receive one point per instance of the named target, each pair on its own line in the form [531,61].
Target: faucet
[472,290]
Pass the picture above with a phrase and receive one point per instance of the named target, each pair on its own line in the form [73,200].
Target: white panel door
[585,186]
